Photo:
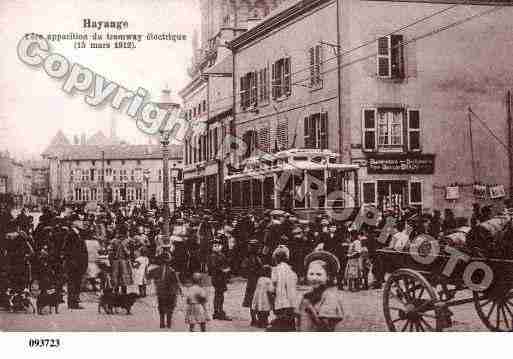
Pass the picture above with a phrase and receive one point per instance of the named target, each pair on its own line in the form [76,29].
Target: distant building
[110,172]
[15,180]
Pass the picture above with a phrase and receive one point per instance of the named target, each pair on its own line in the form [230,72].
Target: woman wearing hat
[321,309]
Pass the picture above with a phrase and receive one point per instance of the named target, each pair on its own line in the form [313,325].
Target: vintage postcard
[256,166]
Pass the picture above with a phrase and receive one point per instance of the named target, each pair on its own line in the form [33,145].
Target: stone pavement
[363,313]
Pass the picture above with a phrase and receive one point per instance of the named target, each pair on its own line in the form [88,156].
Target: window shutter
[241,91]
[307,132]
[383,60]
[264,139]
[286,77]
[311,53]
[253,88]
[396,56]
[283,135]
[318,64]
[369,141]
[274,81]
[323,136]
[413,119]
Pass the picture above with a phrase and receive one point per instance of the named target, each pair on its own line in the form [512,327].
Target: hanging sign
[452,192]
[497,192]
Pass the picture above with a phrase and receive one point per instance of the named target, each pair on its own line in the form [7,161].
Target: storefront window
[369,193]
[415,193]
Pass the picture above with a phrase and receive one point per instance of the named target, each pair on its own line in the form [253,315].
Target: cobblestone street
[363,313]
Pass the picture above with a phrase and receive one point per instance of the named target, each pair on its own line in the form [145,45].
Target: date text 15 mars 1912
[44,343]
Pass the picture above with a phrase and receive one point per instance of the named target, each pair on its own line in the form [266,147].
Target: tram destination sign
[401,164]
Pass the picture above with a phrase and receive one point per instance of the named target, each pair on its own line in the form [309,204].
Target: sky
[33,106]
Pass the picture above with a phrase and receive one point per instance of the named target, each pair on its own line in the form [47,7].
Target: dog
[16,301]
[49,298]
[110,301]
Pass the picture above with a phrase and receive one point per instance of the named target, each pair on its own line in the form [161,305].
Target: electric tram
[305,181]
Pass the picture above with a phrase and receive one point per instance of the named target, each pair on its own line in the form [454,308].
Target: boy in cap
[167,286]
[219,270]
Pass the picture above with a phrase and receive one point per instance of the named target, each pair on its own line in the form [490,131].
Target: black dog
[50,298]
[110,301]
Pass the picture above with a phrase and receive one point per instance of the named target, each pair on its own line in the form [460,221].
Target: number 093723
[44,343]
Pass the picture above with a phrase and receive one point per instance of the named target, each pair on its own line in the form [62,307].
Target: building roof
[117,152]
[58,141]
[99,139]
[281,15]
[223,67]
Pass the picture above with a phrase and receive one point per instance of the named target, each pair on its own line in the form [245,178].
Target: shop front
[397,181]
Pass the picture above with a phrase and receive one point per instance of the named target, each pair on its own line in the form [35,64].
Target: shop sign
[401,164]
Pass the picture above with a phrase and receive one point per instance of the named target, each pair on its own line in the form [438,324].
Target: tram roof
[297,166]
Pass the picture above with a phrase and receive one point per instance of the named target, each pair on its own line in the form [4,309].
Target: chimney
[83,139]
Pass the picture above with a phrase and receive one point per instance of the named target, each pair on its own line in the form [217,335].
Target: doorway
[392,194]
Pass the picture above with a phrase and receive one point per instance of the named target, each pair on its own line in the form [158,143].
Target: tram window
[246,194]
[269,192]
[257,192]
[285,190]
[316,192]
[300,158]
[236,194]
[317,159]
[299,190]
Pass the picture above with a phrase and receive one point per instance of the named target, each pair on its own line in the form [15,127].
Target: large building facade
[412,92]
[208,100]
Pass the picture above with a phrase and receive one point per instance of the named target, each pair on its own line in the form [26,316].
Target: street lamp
[164,141]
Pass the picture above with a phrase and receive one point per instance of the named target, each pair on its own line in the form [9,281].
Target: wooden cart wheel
[409,302]
[495,308]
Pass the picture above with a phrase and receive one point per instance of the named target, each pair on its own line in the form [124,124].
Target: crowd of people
[111,248]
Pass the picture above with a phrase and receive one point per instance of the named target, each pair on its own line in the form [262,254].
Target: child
[353,270]
[140,265]
[262,302]
[219,270]
[284,282]
[167,287]
[196,311]
[321,308]
[366,266]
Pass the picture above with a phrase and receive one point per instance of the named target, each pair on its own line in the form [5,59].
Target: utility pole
[510,141]
[471,144]
[102,182]
[164,141]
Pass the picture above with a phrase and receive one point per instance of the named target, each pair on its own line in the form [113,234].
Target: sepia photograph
[256,166]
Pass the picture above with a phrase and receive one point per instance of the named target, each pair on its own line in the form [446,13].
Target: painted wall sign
[401,164]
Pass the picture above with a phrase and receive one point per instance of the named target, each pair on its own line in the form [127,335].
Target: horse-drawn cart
[418,294]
